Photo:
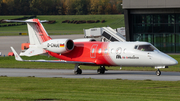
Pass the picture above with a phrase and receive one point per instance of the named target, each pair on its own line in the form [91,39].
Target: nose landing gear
[158,72]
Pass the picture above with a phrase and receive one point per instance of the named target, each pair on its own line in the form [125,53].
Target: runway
[111,74]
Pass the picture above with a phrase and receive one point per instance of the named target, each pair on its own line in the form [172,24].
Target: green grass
[10,62]
[61,89]
[114,21]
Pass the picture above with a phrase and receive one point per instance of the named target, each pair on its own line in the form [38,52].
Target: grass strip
[61,89]
[114,21]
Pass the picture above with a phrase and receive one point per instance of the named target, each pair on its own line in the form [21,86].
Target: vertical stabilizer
[37,33]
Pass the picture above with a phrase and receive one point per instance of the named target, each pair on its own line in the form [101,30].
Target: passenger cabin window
[99,51]
[144,48]
[106,50]
[112,51]
[92,50]
[118,51]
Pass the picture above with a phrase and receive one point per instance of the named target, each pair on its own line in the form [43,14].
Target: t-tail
[37,36]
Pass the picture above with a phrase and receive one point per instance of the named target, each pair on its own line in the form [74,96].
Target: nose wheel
[158,72]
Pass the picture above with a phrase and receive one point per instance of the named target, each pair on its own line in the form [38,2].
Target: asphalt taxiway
[111,74]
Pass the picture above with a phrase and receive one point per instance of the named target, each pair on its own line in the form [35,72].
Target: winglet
[17,57]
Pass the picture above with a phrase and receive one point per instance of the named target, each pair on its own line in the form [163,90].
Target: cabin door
[93,51]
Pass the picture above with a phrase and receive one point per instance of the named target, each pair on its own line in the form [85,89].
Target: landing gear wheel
[158,72]
[101,70]
[77,70]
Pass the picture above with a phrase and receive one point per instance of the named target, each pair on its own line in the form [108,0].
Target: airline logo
[126,57]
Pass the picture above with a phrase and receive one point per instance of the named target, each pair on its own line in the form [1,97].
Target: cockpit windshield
[145,47]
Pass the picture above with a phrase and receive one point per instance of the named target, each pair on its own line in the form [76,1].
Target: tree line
[60,7]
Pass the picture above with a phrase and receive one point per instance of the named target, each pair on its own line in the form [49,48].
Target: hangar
[154,21]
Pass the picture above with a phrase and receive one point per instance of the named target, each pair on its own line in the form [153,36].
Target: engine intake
[70,45]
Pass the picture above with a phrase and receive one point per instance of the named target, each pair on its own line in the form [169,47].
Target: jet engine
[59,45]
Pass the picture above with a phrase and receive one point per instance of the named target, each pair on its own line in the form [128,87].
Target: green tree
[7,7]
[81,7]
[100,9]
[108,9]
[22,7]
[114,9]
[119,7]
[94,6]
[70,7]
[59,7]
[0,7]
[35,7]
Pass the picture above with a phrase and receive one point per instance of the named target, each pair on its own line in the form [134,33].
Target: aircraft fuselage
[116,54]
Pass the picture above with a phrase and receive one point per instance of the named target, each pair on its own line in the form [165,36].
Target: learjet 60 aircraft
[91,52]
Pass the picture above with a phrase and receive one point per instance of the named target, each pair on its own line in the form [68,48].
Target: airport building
[154,21]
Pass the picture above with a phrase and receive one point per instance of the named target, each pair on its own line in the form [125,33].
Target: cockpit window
[145,47]
[135,47]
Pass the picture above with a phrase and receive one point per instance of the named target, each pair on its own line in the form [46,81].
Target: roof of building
[148,4]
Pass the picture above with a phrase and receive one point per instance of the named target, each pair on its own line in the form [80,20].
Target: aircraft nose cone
[168,61]
[173,62]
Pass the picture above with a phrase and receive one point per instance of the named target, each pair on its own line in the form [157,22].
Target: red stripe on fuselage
[82,53]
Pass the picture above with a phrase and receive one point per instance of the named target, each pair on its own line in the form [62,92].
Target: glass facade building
[154,21]
[161,30]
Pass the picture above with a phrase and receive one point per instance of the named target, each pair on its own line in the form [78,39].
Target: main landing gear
[158,72]
[77,69]
[101,70]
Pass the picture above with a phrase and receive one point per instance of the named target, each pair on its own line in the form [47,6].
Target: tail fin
[37,35]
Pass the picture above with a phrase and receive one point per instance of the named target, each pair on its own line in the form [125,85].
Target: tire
[98,71]
[75,72]
[79,71]
[158,72]
[102,71]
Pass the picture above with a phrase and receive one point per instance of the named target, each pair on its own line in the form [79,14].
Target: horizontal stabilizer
[33,52]
[27,21]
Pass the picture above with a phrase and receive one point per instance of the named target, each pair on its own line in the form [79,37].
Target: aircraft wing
[18,58]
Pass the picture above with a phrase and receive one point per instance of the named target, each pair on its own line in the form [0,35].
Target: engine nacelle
[59,45]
